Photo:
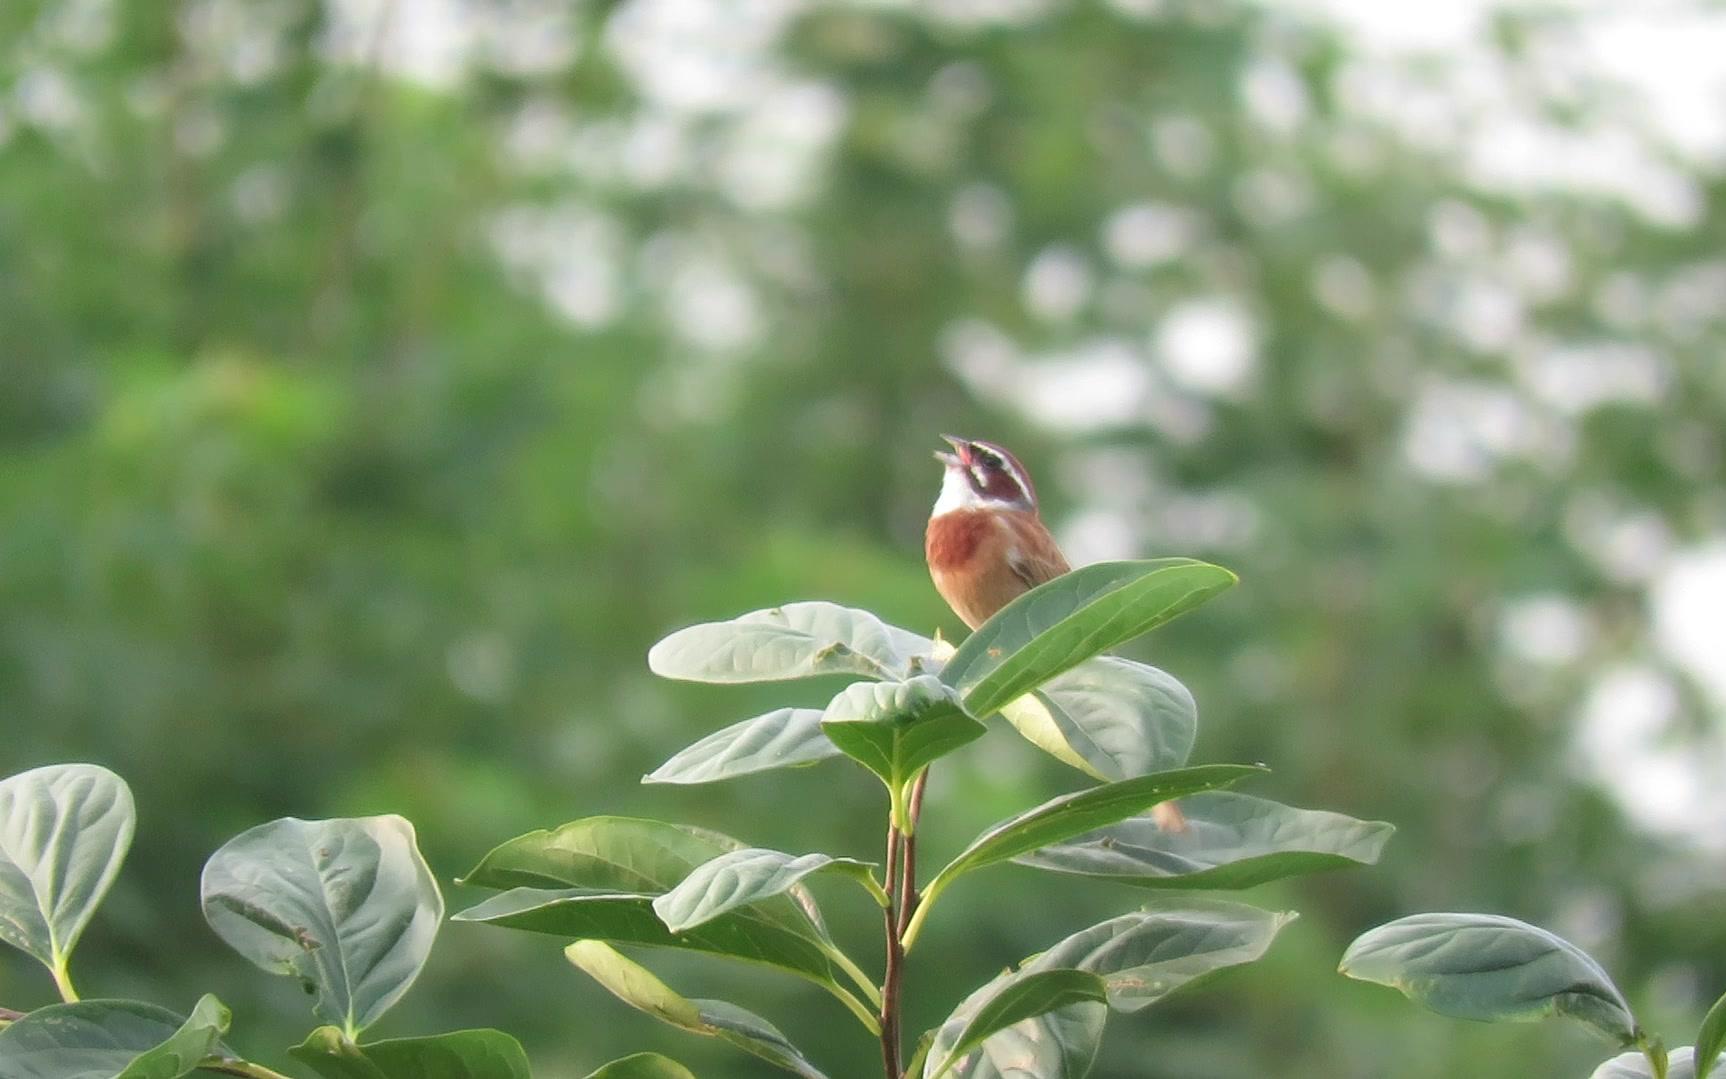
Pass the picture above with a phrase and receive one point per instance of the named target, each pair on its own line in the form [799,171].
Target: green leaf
[744,934]
[1061,1044]
[1230,841]
[743,877]
[1110,718]
[1144,956]
[1003,1003]
[461,1054]
[111,1039]
[783,738]
[798,640]
[1680,1064]
[636,986]
[1064,622]
[1492,968]
[64,830]
[642,1066]
[1070,815]
[1712,1036]
[347,906]
[198,1037]
[896,729]
[631,855]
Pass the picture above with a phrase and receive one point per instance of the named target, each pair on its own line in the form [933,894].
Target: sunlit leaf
[1144,956]
[1229,841]
[1003,1003]
[1109,717]
[1074,814]
[797,640]
[642,1066]
[64,830]
[347,906]
[1488,967]
[461,1054]
[743,877]
[111,1039]
[1064,622]
[636,986]
[895,729]
[1712,1035]
[1061,1044]
[1680,1064]
[783,738]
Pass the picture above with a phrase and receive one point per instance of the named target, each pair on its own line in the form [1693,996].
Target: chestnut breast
[983,559]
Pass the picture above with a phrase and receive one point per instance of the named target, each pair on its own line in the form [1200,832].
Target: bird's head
[982,475]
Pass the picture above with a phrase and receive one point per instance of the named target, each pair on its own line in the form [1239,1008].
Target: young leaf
[1064,622]
[1061,1044]
[1002,1003]
[64,830]
[783,738]
[1110,718]
[1144,956]
[1070,815]
[1680,1064]
[642,1066]
[126,1039]
[1712,1036]
[630,855]
[1487,967]
[745,934]
[798,640]
[347,906]
[461,1054]
[1230,841]
[748,876]
[896,729]
[636,986]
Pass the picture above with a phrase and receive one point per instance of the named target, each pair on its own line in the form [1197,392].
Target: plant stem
[890,1059]
[908,874]
[7,1015]
[243,1068]
[63,982]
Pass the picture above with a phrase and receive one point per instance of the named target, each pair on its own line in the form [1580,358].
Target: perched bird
[987,546]
[985,543]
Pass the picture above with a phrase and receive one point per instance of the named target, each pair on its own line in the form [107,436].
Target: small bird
[987,546]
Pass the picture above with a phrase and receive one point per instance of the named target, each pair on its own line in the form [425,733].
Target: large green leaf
[1064,622]
[896,729]
[748,876]
[1230,841]
[1110,718]
[347,906]
[1144,956]
[111,1039]
[1712,1035]
[636,986]
[1680,1064]
[642,1066]
[1002,1003]
[783,738]
[1488,967]
[64,830]
[798,640]
[744,934]
[1070,815]
[461,1054]
[630,855]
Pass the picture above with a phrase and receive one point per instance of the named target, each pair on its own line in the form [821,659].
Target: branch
[890,1042]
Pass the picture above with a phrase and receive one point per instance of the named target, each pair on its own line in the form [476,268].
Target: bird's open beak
[962,459]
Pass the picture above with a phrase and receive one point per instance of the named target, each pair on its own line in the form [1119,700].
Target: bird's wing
[1036,563]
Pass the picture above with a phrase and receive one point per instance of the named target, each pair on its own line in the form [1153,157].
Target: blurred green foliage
[361,425]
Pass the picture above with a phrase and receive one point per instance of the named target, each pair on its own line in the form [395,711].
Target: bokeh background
[379,378]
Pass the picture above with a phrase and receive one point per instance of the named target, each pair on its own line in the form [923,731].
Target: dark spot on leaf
[994,653]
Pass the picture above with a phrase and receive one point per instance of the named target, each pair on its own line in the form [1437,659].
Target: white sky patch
[1458,431]
[572,252]
[1547,630]
[1147,234]
[1576,378]
[1208,345]
[1057,283]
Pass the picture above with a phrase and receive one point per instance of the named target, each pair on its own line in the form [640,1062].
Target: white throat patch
[958,494]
